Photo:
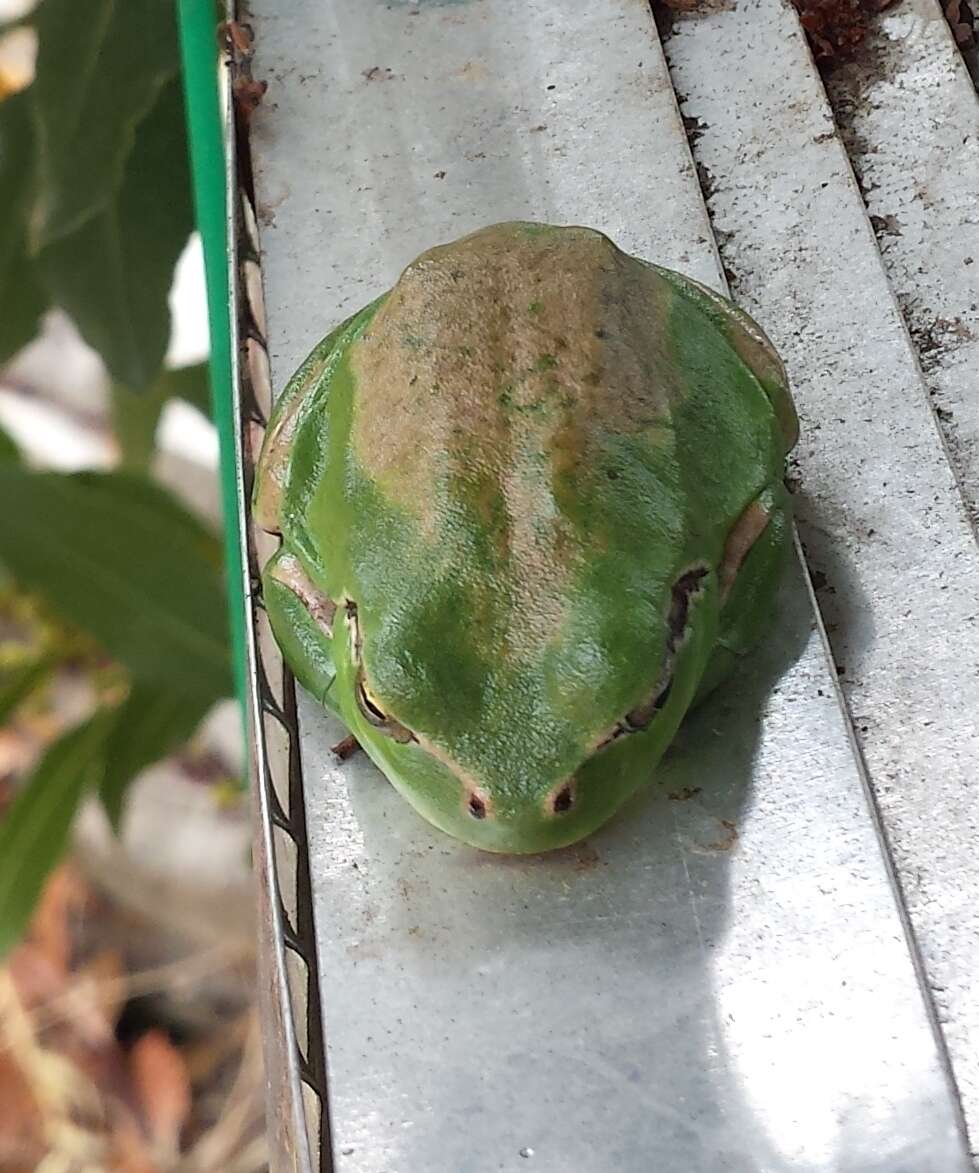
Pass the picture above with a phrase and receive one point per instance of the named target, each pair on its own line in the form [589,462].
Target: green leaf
[34,832]
[123,561]
[157,500]
[22,299]
[113,275]
[191,384]
[17,682]
[22,302]
[135,415]
[9,452]
[100,69]
[16,174]
[151,724]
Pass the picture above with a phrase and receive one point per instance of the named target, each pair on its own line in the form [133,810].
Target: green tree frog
[532,508]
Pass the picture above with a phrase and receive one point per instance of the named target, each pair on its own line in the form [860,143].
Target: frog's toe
[302,618]
[749,575]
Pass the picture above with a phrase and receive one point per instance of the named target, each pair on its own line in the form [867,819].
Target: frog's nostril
[563,800]
[477,806]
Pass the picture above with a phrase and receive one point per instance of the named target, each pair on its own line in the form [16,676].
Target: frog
[532,509]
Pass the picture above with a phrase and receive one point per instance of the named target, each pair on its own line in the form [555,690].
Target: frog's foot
[346,748]
[748,575]
[741,541]
[302,619]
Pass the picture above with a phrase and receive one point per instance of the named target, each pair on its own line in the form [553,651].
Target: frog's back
[542,434]
[503,344]
[559,388]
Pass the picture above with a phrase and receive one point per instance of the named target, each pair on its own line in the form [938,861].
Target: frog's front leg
[302,619]
[749,575]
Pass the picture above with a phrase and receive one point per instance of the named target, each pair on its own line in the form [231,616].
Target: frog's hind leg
[302,619]
[749,576]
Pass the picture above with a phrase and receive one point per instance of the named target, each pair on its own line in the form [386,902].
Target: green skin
[532,509]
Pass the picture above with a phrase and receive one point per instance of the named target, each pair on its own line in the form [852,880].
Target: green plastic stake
[199,50]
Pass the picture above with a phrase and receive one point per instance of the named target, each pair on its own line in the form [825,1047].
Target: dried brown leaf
[21,1124]
[64,895]
[162,1088]
[37,981]
[836,27]
[129,1147]
[101,981]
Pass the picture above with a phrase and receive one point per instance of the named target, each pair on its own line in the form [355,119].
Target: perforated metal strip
[298,1114]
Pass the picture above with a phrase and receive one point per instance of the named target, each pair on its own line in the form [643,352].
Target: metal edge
[880,830]
[294,1146]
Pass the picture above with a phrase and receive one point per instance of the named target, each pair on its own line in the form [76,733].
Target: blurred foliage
[94,180]
[95,209]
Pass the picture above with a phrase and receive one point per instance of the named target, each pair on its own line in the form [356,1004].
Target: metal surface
[880,512]
[297,1122]
[908,112]
[721,979]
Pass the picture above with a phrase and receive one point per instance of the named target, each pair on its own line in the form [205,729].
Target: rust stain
[377,73]
[472,71]
[684,794]
[728,840]
[586,857]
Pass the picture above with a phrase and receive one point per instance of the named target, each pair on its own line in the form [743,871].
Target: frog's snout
[559,801]
[477,805]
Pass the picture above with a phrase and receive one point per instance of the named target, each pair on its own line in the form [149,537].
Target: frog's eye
[639,717]
[376,716]
[368,705]
[685,589]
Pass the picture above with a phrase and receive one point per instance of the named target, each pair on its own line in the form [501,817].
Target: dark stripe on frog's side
[750,604]
[300,620]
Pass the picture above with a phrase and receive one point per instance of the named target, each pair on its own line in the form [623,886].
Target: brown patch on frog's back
[501,362]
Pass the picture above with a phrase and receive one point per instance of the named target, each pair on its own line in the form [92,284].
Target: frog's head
[521,756]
